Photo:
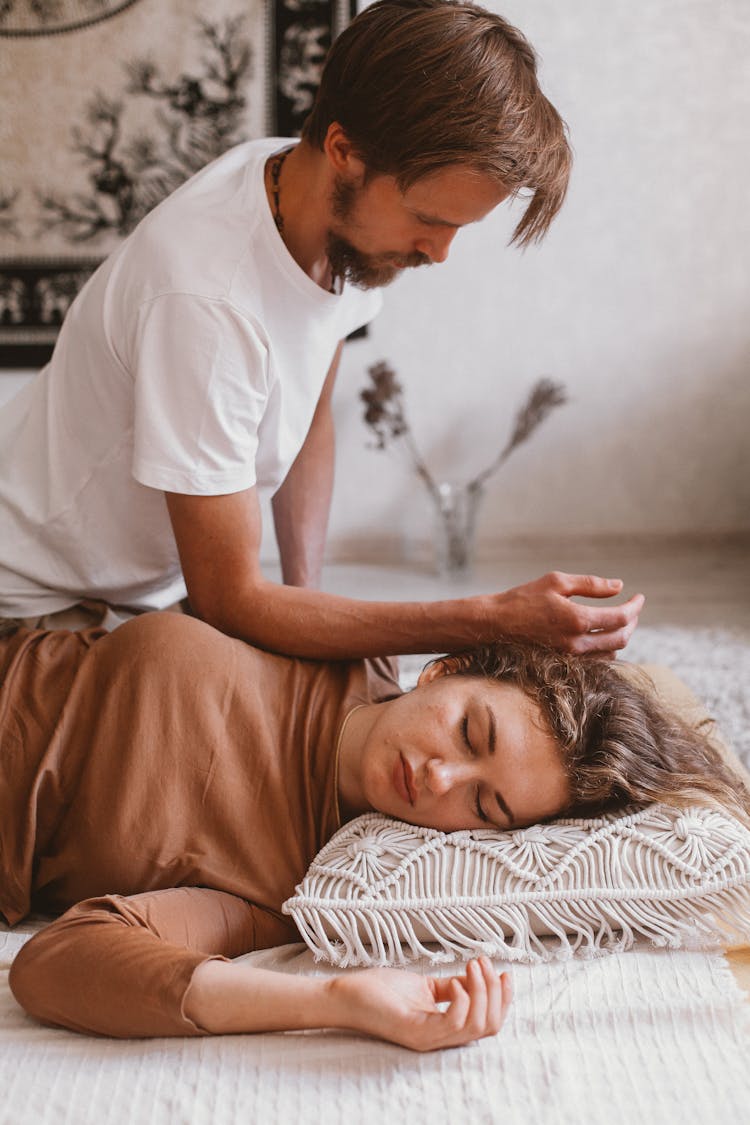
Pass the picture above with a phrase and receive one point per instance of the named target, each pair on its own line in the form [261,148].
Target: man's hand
[403,1007]
[542,611]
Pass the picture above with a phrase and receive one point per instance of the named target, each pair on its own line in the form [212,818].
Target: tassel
[381,892]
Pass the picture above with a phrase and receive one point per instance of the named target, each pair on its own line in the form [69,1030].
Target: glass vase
[455,528]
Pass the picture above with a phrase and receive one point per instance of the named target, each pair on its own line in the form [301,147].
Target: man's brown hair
[419,85]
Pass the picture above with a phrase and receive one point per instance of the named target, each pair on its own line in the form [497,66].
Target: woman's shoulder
[176,639]
[172,640]
[166,629]
[382,678]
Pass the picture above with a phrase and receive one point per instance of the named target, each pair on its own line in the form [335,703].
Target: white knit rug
[714,663]
[643,1038]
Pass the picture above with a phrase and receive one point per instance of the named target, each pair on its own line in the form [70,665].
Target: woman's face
[462,752]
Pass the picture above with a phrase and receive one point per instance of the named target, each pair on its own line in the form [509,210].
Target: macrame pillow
[385,892]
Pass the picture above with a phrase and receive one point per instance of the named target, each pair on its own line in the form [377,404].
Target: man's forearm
[310,623]
[302,505]
[218,539]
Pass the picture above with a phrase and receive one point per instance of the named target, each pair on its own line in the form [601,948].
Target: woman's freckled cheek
[436,713]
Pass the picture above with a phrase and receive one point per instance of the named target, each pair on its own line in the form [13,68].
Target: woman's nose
[441,776]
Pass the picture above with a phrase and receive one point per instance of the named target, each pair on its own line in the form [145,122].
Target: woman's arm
[121,966]
[391,1004]
[155,965]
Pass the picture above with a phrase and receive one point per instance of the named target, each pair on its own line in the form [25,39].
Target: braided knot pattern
[382,891]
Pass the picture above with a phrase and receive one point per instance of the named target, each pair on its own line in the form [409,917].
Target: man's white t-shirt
[192,361]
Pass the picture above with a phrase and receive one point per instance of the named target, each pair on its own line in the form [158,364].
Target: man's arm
[302,505]
[218,538]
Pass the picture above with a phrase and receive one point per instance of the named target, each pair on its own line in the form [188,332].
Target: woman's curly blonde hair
[621,745]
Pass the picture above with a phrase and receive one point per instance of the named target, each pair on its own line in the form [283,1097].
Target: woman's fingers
[441,987]
[498,996]
[445,1028]
[507,996]
[478,1003]
[454,1018]
[476,987]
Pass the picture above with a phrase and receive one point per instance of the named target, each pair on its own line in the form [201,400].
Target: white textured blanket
[641,1038]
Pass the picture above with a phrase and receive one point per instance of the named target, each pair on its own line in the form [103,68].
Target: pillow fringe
[382,892]
[384,935]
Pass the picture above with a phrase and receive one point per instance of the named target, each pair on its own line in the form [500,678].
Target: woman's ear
[445,666]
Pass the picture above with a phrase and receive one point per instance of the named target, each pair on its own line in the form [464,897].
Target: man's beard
[366,271]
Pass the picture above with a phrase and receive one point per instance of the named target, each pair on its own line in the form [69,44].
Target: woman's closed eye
[474,753]
[465,737]
[478,805]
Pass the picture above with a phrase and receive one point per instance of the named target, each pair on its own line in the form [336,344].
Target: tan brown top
[164,755]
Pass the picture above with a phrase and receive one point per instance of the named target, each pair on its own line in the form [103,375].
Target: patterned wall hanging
[109,106]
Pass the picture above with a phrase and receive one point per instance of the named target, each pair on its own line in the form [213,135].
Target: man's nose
[441,776]
[438,245]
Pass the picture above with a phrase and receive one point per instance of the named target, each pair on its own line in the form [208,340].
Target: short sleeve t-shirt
[192,361]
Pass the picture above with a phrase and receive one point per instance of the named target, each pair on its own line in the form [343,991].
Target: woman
[167,786]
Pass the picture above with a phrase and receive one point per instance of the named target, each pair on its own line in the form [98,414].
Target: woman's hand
[403,1006]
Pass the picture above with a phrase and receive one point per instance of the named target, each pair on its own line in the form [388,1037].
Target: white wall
[12,381]
[637,301]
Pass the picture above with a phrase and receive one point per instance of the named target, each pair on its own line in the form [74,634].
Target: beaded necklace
[275,165]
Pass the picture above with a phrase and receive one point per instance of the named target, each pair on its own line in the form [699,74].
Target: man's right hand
[219,537]
[542,611]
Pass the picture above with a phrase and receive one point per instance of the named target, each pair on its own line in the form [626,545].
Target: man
[195,369]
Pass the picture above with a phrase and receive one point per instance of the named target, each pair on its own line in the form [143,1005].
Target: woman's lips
[403,780]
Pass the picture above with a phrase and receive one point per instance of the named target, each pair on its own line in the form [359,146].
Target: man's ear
[444,666]
[341,153]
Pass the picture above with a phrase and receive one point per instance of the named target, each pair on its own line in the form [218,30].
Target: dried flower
[544,396]
[384,410]
[384,414]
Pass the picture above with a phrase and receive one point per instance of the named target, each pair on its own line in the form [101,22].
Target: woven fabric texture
[384,892]
[655,1037]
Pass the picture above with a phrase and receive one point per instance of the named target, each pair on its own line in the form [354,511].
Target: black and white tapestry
[109,105]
